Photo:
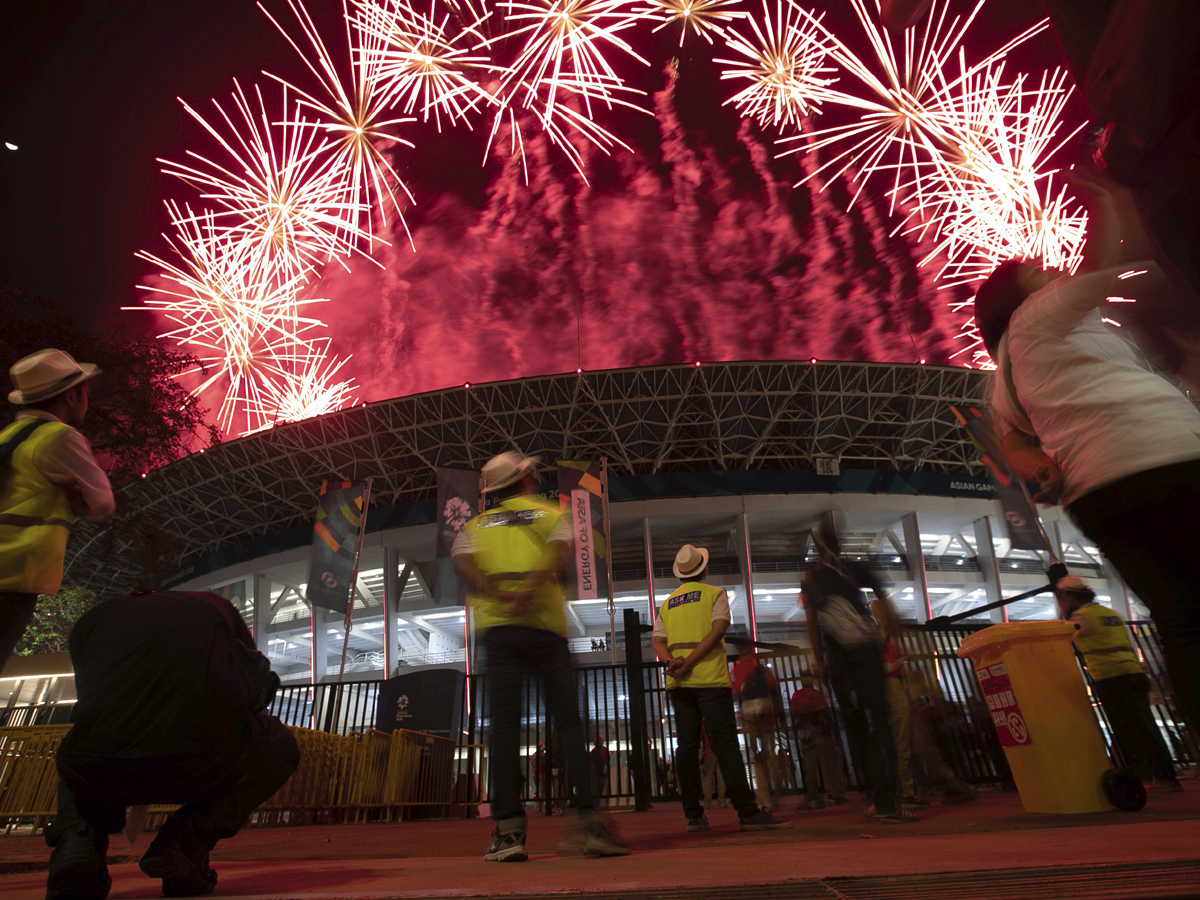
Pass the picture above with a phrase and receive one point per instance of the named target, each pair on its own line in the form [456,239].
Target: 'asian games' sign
[585,550]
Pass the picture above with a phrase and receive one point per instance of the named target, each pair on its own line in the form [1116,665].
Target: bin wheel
[1123,789]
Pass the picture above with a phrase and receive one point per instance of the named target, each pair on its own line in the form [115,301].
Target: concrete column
[260,591]
[989,565]
[648,548]
[748,576]
[922,610]
[391,609]
[320,644]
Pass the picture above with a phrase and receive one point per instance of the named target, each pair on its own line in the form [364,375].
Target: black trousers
[16,612]
[857,679]
[218,792]
[1126,702]
[513,654]
[1148,525]
[713,708]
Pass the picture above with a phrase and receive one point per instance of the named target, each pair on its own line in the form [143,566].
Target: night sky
[89,97]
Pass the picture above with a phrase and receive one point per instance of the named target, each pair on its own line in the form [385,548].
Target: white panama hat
[46,374]
[690,561]
[507,468]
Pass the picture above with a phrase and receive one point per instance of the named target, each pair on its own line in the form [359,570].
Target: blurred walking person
[510,558]
[845,638]
[757,690]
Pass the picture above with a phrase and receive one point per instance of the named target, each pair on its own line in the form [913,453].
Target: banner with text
[1020,515]
[340,517]
[581,498]
[457,504]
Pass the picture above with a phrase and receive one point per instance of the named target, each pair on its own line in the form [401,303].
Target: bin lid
[1015,633]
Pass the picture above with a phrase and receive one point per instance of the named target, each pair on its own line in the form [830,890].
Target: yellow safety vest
[1107,650]
[687,617]
[511,539]
[35,516]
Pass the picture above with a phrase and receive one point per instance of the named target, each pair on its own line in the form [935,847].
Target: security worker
[509,557]
[689,636]
[1119,681]
[48,476]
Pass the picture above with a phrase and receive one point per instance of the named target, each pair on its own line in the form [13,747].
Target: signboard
[457,504]
[1002,704]
[428,700]
[580,494]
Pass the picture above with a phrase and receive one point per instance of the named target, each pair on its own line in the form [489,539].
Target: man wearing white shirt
[51,477]
[1081,414]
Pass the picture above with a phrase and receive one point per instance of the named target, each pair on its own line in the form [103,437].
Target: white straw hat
[46,374]
[690,561]
[507,468]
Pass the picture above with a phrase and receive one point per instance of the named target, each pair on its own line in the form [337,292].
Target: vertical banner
[581,496]
[340,517]
[1020,515]
[457,503]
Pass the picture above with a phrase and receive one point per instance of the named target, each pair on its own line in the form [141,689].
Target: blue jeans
[515,652]
[712,708]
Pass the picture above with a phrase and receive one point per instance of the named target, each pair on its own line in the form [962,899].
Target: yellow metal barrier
[28,779]
[363,776]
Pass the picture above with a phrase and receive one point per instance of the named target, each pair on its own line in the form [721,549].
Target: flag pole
[612,609]
[347,622]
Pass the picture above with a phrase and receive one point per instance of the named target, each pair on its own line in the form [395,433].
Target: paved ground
[444,858]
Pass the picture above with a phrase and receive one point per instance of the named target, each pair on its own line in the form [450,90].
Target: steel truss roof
[717,416]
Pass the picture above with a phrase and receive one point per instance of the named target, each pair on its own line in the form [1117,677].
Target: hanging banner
[581,498]
[340,516]
[457,504]
[1020,516]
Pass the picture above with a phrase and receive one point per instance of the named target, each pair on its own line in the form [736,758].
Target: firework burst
[351,116]
[785,63]
[703,17]
[422,60]
[277,194]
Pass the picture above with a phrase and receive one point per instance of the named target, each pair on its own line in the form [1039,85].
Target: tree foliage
[53,620]
[140,417]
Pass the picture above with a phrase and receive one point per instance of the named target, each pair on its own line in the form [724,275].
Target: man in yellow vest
[49,476]
[1119,681]
[689,636]
[510,557]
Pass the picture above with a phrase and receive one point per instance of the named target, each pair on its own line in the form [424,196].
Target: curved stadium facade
[742,458]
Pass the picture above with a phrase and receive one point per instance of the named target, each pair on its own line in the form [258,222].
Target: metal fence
[626,705]
[628,708]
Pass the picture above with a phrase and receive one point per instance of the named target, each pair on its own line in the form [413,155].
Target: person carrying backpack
[48,476]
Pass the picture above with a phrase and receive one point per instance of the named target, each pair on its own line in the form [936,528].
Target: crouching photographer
[172,709]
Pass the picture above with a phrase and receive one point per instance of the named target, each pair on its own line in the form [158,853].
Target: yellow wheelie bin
[1040,707]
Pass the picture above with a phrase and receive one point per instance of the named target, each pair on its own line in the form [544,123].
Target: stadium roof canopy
[656,420]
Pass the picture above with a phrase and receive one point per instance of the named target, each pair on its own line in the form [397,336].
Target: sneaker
[900,817]
[811,806]
[697,823]
[506,847]
[77,865]
[179,856]
[599,840]
[762,821]
[839,800]
[1165,785]
[914,802]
